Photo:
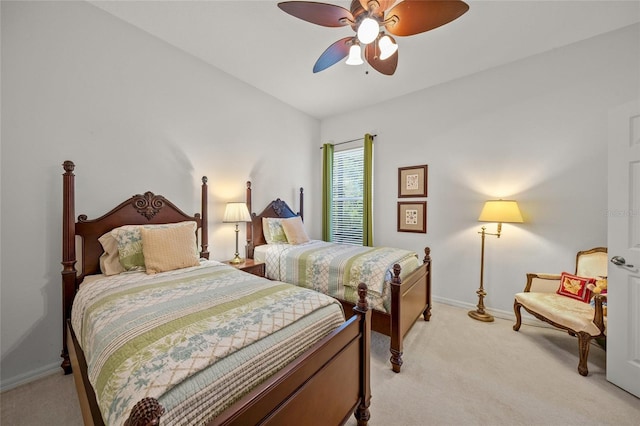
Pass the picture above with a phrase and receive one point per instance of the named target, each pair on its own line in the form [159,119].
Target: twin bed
[399,285]
[154,330]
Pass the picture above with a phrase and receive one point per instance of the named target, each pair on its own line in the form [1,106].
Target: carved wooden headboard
[141,209]
[276,208]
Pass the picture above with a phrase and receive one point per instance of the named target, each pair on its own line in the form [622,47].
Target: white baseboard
[30,376]
[527,319]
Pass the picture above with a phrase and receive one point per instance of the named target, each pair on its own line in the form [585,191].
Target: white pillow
[109,260]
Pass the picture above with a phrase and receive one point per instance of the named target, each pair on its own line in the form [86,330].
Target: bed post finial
[396,274]
[362,304]
[68,166]
[146,412]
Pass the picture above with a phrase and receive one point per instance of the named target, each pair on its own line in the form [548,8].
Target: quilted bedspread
[337,269]
[197,339]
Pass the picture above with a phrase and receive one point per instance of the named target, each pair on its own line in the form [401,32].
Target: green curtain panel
[327,189]
[367,196]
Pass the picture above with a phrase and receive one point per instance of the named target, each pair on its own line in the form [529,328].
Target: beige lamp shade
[236,212]
[500,211]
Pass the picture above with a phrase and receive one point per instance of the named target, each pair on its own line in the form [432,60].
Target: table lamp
[236,213]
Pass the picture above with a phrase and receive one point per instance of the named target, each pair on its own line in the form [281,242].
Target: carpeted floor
[457,371]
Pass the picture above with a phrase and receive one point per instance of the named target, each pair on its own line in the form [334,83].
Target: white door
[623,327]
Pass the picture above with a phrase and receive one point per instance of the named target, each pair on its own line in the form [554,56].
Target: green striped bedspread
[197,339]
[337,269]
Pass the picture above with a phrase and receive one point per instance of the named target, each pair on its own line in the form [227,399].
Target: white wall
[134,114]
[535,131]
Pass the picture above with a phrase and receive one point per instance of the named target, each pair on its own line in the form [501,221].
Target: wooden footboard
[336,371]
[410,298]
[328,395]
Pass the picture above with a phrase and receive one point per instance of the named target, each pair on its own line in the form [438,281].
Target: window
[347,193]
[347,196]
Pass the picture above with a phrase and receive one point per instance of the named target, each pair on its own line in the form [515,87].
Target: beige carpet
[457,371]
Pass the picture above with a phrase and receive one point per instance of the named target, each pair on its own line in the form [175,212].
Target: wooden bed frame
[323,386]
[410,298]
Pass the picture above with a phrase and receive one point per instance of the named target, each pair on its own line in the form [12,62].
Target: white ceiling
[258,43]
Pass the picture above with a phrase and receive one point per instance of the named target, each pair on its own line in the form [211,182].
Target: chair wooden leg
[516,309]
[584,341]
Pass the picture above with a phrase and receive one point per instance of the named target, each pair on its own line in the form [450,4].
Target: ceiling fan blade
[387,66]
[334,54]
[414,17]
[377,5]
[327,15]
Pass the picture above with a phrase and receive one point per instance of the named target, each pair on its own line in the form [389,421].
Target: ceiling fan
[369,20]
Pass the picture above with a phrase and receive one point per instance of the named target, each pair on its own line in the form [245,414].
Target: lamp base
[236,260]
[481,316]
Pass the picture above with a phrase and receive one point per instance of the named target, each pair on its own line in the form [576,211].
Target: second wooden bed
[410,297]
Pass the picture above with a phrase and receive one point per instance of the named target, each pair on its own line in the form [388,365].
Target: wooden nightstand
[250,266]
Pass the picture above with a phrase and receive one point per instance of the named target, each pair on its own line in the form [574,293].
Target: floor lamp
[236,212]
[500,211]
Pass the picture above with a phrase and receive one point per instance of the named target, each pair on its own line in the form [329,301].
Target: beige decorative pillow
[109,260]
[130,242]
[166,249]
[294,230]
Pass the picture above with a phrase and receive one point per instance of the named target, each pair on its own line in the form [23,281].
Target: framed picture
[412,216]
[412,181]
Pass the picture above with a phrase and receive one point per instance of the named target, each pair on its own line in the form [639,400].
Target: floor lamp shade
[500,211]
[235,213]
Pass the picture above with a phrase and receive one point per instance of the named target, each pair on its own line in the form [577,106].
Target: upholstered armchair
[570,302]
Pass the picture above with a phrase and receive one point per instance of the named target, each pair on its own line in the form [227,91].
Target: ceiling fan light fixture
[387,47]
[355,56]
[372,20]
[368,30]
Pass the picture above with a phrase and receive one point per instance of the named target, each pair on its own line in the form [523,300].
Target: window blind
[347,197]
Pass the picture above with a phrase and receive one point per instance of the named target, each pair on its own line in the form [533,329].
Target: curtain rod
[352,140]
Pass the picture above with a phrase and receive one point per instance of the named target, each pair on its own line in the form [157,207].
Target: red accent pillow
[575,287]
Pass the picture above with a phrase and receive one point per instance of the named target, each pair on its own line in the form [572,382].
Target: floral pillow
[575,287]
[273,230]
